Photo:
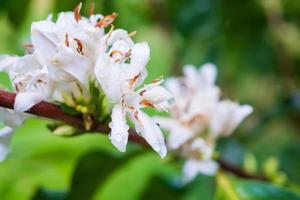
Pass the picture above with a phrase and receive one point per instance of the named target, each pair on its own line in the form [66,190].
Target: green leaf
[69,110]
[225,189]
[236,189]
[39,159]
[92,171]
[159,188]
[254,190]
[202,187]
[132,178]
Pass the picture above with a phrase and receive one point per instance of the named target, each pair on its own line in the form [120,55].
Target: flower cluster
[199,117]
[67,54]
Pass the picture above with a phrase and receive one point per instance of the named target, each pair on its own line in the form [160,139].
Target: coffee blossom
[199,117]
[68,56]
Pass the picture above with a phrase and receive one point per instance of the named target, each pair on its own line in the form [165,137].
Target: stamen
[92,9]
[142,92]
[134,80]
[131,107]
[107,20]
[79,46]
[113,52]
[146,102]
[67,43]
[136,116]
[158,79]
[28,48]
[76,11]
[196,118]
[109,33]
[123,103]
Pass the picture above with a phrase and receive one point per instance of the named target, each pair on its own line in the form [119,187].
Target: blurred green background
[256,46]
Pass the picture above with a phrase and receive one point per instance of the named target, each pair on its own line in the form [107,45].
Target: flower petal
[5,137]
[44,39]
[191,76]
[10,118]
[227,117]
[7,62]
[26,100]
[178,136]
[140,56]
[208,74]
[119,128]
[146,126]
[74,64]
[194,167]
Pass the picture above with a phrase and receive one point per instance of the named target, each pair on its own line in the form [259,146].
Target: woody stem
[52,111]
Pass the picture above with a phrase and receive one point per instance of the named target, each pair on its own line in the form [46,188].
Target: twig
[52,111]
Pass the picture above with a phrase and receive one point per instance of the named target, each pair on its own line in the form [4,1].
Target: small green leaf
[69,110]
[237,189]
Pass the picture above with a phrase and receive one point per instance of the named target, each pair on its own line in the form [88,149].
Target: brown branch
[226,166]
[52,111]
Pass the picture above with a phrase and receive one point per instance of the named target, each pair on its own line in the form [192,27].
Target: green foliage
[233,189]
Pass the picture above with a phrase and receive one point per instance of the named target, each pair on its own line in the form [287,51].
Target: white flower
[119,71]
[69,47]
[198,118]
[62,57]
[29,78]
[196,97]
[199,154]
[193,167]
[227,116]
[10,121]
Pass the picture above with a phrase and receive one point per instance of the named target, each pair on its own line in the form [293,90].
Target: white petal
[239,115]
[44,39]
[7,62]
[165,122]
[174,86]
[26,100]
[140,55]
[179,135]
[5,137]
[119,128]
[10,118]
[151,132]
[74,64]
[191,76]
[111,79]
[208,74]
[158,95]
[202,146]
[119,34]
[66,19]
[227,117]
[194,167]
